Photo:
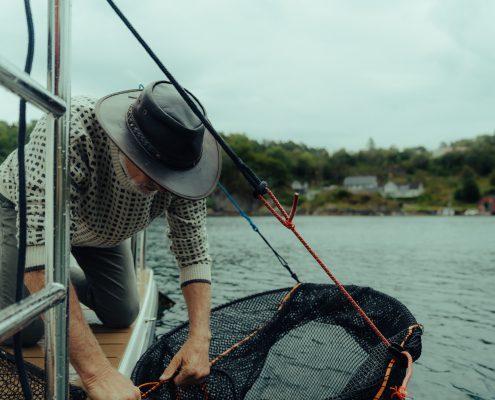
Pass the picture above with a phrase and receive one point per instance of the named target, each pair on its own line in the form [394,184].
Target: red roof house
[487,205]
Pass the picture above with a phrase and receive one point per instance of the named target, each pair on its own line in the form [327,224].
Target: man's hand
[111,385]
[191,361]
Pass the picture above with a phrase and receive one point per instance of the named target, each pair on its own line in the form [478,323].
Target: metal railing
[20,315]
[138,248]
[22,84]
[53,298]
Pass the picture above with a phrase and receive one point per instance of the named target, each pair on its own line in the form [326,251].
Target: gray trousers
[104,278]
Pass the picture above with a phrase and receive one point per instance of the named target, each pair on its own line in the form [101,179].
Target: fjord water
[441,268]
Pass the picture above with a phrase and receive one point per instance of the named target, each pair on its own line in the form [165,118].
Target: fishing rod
[260,188]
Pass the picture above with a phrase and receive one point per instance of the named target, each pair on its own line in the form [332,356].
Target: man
[133,155]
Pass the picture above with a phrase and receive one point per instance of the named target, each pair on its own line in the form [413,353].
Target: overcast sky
[328,73]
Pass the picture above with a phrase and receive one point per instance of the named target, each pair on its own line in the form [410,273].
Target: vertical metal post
[142,250]
[134,248]
[57,197]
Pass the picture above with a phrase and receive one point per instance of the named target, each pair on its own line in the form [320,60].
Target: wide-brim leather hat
[156,129]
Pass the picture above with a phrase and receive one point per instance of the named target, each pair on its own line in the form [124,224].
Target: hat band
[151,150]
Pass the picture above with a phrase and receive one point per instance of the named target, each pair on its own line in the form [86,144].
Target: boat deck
[113,341]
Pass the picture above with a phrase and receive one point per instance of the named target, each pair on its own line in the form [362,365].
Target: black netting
[315,347]
[10,387]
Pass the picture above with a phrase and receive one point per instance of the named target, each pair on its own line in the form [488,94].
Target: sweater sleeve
[35,150]
[189,241]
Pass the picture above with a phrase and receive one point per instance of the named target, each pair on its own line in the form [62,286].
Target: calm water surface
[441,268]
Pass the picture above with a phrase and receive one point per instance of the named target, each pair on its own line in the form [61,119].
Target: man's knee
[121,317]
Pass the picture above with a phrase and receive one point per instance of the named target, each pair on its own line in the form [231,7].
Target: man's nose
[160,188]
[155,186]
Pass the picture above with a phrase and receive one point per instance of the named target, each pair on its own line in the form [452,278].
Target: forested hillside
[458,173]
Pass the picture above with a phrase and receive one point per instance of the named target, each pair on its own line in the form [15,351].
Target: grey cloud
[327,73]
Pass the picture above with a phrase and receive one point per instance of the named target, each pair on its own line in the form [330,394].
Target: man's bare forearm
[85,353]
[198,299]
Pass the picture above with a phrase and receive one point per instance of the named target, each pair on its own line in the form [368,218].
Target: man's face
[138,178]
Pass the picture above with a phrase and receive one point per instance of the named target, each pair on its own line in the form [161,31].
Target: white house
[361,183]
[403,191]
[299,187]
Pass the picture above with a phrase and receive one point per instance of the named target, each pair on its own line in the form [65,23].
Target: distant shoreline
[346,213]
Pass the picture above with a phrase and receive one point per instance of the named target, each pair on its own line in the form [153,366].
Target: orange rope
[204,388]
[155,385]
[400,392]
[385,379]
[252,334]
[286,220]
[288,296]
[410,331]
[235,346]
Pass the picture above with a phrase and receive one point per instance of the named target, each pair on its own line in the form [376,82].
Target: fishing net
[10,387]
[302,343]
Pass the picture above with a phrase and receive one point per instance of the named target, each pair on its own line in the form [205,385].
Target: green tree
[371,144]
[469,192]
[8,137]
[450,163]
[491,190]
[273,170]
[338,166]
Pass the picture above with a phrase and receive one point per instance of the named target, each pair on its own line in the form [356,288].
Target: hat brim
[194,183]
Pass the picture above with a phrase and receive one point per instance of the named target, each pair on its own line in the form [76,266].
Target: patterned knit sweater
[105,208]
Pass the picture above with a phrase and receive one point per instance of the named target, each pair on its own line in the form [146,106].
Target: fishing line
[255,228]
